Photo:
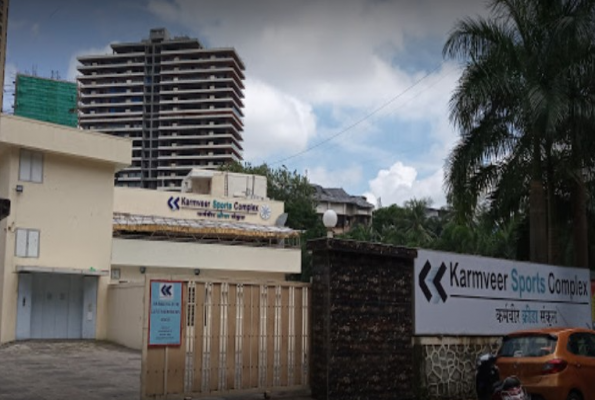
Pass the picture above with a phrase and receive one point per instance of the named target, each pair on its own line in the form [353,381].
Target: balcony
[206,137]
[88,119]
[86,60]
[109,129]
[111,84]
[218,53]
[119,113]
[236,83]
[203,71]
[203,146]
[106,76]
[220,112]
[203,60]
[92,96]
[234,92]
[121,104]
[137,64]
[201,101]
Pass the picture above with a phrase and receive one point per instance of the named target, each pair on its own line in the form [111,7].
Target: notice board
[165,313]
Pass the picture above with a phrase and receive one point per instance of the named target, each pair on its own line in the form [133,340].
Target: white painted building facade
[74,250]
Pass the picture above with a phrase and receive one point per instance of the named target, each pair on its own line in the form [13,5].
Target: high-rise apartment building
[3,33]
[179,102]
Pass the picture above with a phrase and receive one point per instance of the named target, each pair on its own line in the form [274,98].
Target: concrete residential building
[351,210]
[3,33]
[179,102]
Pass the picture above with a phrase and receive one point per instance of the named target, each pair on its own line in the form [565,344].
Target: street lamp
[329,219]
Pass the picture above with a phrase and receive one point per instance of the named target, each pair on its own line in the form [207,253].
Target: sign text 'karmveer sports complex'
[219,209]
[458,294]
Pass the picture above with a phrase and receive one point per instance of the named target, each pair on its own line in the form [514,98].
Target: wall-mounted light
[143,270]
[197,272]
[19,188]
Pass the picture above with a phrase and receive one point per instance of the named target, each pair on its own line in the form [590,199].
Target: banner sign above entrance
[219,209]
[468,295]
[165,313]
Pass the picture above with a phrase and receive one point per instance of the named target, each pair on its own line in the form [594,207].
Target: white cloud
[400,183]
[347,59]
[342,178]
[73,63]
[320,51]
[276,123]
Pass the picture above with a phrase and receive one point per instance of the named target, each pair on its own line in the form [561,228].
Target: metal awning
[149,224]
[65,271]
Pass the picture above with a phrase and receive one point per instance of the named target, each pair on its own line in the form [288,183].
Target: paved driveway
[50,370]
[55,370]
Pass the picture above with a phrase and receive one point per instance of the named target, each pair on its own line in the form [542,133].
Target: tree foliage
[525,109]
[295,191]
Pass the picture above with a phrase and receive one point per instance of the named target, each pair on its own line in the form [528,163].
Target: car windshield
[527,346]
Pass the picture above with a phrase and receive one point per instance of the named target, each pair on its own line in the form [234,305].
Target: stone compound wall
[448,364]
[362,321]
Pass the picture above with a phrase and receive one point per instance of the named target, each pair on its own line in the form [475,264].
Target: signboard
[165,313]
[236,211]
[466,295]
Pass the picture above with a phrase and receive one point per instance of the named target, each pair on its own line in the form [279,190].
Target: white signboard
[467,295]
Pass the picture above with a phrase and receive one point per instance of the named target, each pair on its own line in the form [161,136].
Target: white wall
[133,274]
[72,207]
[152,202]
[126,252]
[125,314]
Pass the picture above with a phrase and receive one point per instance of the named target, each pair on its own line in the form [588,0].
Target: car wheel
[574,396]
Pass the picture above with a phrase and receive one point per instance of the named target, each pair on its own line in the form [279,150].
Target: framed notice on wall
[165,313]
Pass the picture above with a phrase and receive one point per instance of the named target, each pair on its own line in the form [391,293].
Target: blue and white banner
[467,295]
[165,313]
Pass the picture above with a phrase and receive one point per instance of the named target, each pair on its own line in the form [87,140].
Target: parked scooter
[489,386]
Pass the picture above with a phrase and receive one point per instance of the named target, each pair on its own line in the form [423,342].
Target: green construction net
[46,100]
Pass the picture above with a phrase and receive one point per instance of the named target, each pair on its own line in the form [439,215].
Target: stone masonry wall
[362,321]
[448,364]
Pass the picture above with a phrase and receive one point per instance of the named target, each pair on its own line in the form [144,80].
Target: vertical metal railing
[242,336]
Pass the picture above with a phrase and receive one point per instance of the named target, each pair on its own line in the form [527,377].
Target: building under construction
[47,100]
[179,102]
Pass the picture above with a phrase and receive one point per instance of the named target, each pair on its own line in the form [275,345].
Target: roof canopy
[204,228]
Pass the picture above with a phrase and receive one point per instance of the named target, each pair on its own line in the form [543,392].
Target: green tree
[297,194]
[512,104]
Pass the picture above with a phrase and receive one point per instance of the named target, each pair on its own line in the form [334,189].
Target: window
[582,344]
[31,167]
[27,243]
[115,274]
[528,346]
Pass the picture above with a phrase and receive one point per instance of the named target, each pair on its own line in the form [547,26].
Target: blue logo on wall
[174,203]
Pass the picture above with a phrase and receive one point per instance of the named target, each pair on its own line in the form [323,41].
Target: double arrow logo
[429,279]
[174,203]
[166,291]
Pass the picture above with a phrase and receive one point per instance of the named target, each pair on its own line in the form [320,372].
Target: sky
[352,93]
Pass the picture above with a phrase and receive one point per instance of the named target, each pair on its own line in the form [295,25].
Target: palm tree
[511,102]
[416,226]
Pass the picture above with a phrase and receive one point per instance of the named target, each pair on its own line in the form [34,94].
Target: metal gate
[235,337]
